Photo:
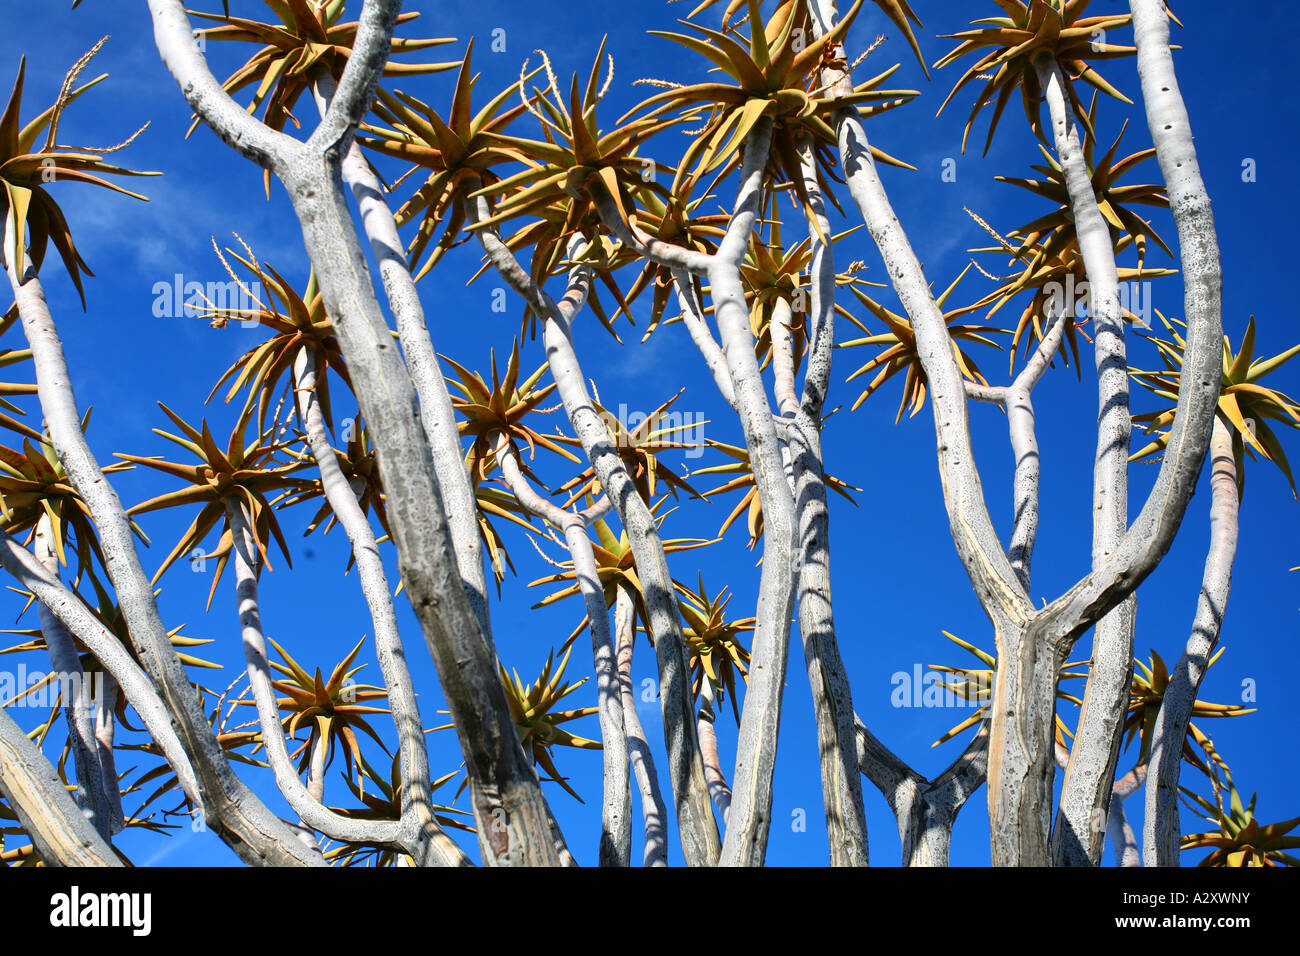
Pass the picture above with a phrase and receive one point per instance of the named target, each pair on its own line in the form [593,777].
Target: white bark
[846,826]
[514,823]
[926,810]
[653,811]
[696,825]
[305,800]
[1122,838]
[1085,792]
[1017,400]
[234,811]
[616,802]
[693,319]
[98,793]
[436,412]
[49,816]
[1161,832]
[760,720]
[1036,643]
[132,681]
[719,789]
[426,841]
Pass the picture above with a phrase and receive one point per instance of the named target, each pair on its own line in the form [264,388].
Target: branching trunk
[436,412]
[514,823]
[616,803]
[231,809]
[306,800]
[699,832]
[926,810]
[126,674]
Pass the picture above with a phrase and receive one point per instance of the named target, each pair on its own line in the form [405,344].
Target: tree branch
[233,811]
[616,804]
[1161,832]
[436,412]
[49,816]
[1079,834]
[423,838]
[696,825]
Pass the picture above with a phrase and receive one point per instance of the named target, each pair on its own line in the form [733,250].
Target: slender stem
[1162,833]
[693,319]
[760,720]
[427,841]
[698,830]
[832,698]
[1122,838]
[1079,834]
[306,801]
[1018,400]
[98,793]
[718,788]
[653,811]
[231,809]
[783,359]
[616,803]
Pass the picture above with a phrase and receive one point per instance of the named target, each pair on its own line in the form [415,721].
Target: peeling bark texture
[1079,835]
[58,829]
[1161,831]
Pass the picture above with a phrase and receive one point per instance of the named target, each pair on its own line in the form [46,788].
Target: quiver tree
[732,230]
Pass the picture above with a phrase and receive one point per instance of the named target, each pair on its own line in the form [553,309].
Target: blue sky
[896,578]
